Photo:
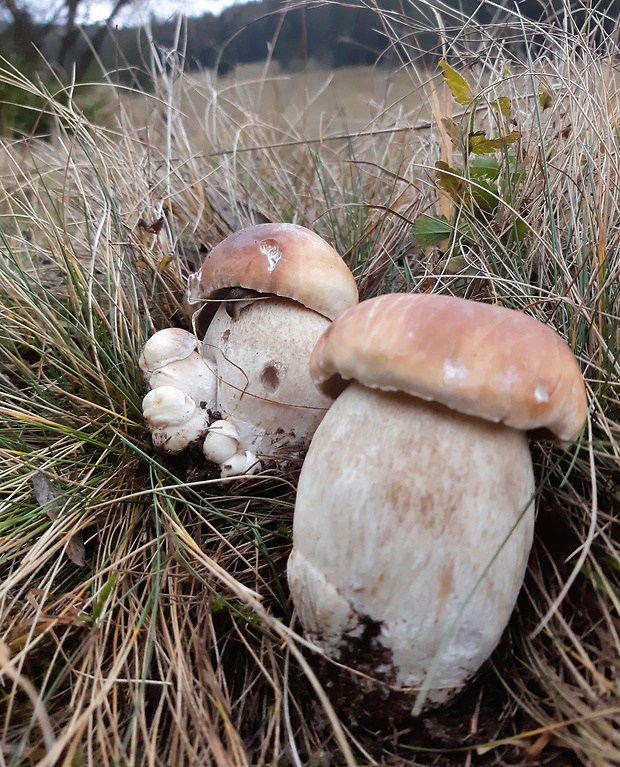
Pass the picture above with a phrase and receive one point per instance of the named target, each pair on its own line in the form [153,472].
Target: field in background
[312,103]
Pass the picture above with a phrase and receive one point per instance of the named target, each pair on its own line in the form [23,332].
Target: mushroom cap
[482,360]
[221,442]
[166,346]
[283,259]
[167,406]
[173,418]
[244,462]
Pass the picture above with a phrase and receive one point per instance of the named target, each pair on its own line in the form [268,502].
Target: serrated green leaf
[460,88]
[502,105]
[449,179]
[453,130]
[431,230]
[480,144]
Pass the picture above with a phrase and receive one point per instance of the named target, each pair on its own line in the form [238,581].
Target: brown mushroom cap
[481,360]
[283,259]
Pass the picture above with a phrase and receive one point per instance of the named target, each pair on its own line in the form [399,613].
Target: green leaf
[453,130]
[512,137]
[545,98]
[480,144]
[502,105]
[164,263]
[484,166]
[103,596]
[485,197]
[519,231]
[460,88]
[454,265]
[449,179]
[431,230]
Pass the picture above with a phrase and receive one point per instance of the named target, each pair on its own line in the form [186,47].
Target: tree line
[332,34]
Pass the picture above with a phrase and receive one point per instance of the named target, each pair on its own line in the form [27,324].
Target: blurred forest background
[332,35]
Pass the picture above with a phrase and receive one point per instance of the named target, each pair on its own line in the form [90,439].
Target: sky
[99,10]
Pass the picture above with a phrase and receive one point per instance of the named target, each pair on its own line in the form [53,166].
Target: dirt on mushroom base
[382,716]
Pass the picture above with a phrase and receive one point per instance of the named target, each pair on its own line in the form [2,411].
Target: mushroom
[170,358]
[166,346]
[221,442]
[173,418]
[415,505]
[278,286]
[182,389]
[244,462]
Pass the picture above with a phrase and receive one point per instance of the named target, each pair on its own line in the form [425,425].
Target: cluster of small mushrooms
[415,505]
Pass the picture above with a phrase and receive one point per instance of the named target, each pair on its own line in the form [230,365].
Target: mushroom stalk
[263,384]
[415,520]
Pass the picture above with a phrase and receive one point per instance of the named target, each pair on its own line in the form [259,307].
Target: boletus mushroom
[277,288]
[415,505]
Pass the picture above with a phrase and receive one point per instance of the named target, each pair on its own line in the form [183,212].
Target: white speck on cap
[453,371]
[272,251]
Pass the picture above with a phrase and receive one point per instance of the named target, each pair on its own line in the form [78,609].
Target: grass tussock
[144,609]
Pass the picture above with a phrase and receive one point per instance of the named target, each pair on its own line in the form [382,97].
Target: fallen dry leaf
[55,503]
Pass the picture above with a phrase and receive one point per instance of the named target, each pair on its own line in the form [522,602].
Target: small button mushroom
[241,463]
[165,346]
[170,358]
[415,506]
[280,286]
[221,442]
[173,418]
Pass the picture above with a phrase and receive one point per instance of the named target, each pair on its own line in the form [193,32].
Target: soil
[380,718]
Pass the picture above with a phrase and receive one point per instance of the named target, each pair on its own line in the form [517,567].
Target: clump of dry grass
[174,642]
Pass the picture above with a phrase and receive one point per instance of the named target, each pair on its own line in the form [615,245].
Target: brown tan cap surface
[479,359]
[284,259]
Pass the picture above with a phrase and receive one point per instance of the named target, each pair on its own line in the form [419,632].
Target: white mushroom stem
[264,386]
[191,375]
[169,358]
[221,442]
[416,521]
[173,418]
